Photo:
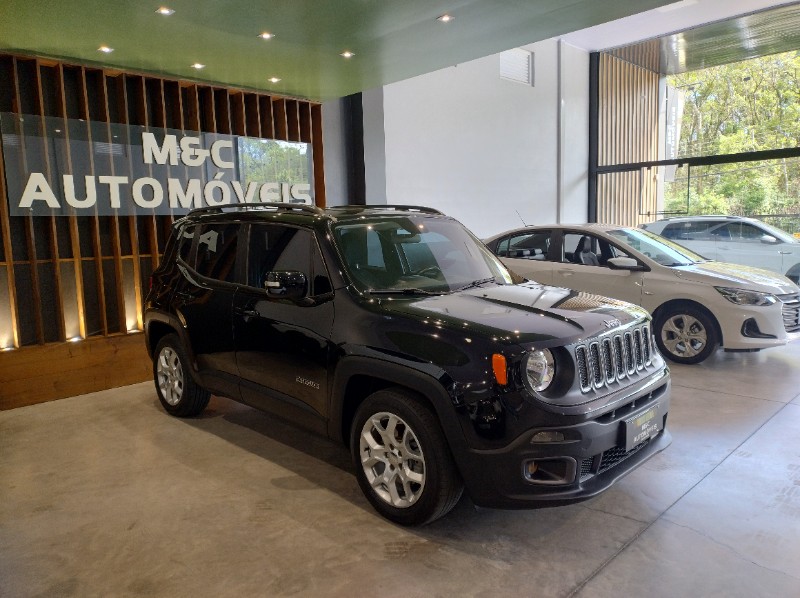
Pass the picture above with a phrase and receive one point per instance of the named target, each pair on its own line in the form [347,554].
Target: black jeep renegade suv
[393,329]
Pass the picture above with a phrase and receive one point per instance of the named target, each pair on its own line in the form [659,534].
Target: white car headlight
[745,297]
[540,369]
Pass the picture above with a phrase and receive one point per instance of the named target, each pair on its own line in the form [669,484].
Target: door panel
[282,345]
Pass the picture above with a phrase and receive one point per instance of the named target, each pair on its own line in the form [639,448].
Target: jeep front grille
[613,358]
[791,312]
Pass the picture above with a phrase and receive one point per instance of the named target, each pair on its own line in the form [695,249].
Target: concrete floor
[106,495]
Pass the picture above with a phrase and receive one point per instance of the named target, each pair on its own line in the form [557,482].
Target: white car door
[588,270]
[741,243]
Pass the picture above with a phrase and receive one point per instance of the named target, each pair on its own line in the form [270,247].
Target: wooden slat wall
[65,279]
[628,132]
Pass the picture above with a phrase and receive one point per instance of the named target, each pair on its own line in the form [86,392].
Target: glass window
[741,231]
[216,251]
[274,247]
[185,243]
[526,246]
[694,230]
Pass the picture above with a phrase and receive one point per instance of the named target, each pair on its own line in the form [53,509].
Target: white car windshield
[657,248]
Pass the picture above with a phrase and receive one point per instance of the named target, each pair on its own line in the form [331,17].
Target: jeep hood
[524,313]
[736,275]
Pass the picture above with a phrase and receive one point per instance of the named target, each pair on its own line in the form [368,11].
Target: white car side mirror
[768,239]
[623,263]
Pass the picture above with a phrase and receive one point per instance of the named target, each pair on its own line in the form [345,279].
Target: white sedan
[697,304]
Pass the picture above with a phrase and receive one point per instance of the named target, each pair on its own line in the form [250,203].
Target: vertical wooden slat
[137,107]
[85,114]
[61,102]
[292,120]
[305,122]
[267,119]
[116,245]
[253,115]
[154,92]
[238,117]
[5,229]
[279,119]
[29,231]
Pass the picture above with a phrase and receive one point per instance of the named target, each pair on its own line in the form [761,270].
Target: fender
[407,375]
[171,321]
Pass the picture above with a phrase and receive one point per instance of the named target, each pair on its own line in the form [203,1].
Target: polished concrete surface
[106,495]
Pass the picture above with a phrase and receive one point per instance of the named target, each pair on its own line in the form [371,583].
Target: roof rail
[273,206]
[396,207]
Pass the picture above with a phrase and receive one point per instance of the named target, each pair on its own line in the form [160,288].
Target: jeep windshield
[397,254]
[657,248]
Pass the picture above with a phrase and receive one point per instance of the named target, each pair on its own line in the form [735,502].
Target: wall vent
[517,65]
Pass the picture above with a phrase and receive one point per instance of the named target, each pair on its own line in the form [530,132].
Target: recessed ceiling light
[198,66]
[445,18]
[163,10]
[266,35]
[105,49]
[274,79]
[347,54]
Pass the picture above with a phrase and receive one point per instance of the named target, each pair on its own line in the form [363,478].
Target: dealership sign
[64,167]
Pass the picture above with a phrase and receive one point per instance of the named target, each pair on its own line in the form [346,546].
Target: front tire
[686,334]
[179,394]
[403,463]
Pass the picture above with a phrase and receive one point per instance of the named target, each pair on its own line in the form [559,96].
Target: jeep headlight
[540,369]
[745,297]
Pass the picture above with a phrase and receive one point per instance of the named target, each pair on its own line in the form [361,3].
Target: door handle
[785,252]
[247,313]
[565,272]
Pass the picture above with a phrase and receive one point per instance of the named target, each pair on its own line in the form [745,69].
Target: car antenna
[520,217]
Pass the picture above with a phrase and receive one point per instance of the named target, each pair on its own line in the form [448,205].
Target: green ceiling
[392,39]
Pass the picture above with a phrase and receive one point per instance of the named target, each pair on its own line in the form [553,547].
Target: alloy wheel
[392,458]
[170,376]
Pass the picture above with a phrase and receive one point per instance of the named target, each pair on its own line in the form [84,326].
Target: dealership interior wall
[483,149]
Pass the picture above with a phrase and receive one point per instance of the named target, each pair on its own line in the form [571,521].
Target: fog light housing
[550,471]
[547,436]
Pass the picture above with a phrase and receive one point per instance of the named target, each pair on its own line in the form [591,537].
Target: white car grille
[791,312]
[613,358]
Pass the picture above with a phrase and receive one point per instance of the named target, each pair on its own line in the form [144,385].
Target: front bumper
[592,456]
[747,327]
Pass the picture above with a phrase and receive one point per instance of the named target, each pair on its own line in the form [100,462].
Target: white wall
[481,148]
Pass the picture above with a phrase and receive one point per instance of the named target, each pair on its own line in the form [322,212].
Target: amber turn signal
[499,369]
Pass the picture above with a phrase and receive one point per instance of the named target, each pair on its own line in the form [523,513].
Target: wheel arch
[793,273]
[356,378]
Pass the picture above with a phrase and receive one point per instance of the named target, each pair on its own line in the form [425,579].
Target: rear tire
[403,463]
[179,394]
[686,334]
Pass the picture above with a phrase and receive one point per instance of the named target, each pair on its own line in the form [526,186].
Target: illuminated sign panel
[64,167]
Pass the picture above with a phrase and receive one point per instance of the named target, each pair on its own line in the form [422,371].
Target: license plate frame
[643,426]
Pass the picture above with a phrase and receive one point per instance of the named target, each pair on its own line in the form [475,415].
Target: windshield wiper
[477,283]
[409,291]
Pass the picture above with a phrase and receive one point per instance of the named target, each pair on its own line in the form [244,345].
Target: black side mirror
[286,284]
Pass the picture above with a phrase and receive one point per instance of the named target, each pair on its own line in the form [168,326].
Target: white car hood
[738,276]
